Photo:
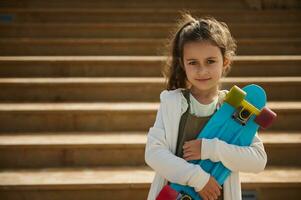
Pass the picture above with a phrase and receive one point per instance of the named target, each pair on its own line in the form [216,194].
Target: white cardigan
[161,146]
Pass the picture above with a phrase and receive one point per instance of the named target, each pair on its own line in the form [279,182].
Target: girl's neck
[204,96]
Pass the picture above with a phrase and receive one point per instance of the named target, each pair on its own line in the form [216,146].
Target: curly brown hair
[190,29]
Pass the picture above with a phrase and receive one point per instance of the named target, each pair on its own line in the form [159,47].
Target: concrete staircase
[80,85]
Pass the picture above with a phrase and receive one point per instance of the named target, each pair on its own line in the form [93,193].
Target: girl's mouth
[203,79]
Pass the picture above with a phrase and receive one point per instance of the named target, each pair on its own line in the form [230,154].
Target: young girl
[201,54]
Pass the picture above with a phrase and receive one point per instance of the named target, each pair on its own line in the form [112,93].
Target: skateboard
[236,122]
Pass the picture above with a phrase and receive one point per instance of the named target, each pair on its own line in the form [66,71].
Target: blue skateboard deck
[222,125]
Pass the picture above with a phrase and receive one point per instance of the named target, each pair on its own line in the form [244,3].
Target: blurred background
[80,84]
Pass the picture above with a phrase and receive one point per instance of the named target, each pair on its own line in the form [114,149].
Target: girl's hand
[192,150]
[212,190]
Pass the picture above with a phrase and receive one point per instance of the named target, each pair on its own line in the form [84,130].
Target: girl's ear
[226,66]
[226,63]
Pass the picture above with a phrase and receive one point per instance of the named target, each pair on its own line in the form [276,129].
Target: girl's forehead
[201,49]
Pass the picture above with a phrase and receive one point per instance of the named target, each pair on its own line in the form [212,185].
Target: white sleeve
[164,162]
[236,158]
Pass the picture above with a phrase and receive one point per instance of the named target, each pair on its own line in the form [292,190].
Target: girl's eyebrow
[197,59]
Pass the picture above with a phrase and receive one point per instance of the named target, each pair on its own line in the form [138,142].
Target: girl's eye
[210,61]
[192,63]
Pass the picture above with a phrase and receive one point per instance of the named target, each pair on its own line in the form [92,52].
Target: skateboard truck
[184,197]
[244,110]
[241,116]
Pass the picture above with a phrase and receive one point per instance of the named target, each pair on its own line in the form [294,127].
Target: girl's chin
[203,86]
[203,83]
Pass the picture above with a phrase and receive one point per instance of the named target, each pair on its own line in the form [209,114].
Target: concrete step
[64,46]
[136,30]
[49,117]
[127,183]
[72,149]
[148,15]
[37,150]
[125,89]
[281,148]
[176,4]
[135,66]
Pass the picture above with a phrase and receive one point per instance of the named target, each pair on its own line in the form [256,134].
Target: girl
[201,54]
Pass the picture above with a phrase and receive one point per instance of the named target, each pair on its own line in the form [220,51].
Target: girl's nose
[200,69]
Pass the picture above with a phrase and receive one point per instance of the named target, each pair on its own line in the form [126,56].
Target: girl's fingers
[215,190]
[188,143]
[218,185]
[210,197]
[186,146]
[189,152]
[218,192]
[188,158]
[214,195]
[186,153]
[205,195]
[191,157]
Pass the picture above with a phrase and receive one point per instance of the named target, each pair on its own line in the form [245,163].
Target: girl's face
[203,63]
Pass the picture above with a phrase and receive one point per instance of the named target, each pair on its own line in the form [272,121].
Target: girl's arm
[236,158]
[164,162]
